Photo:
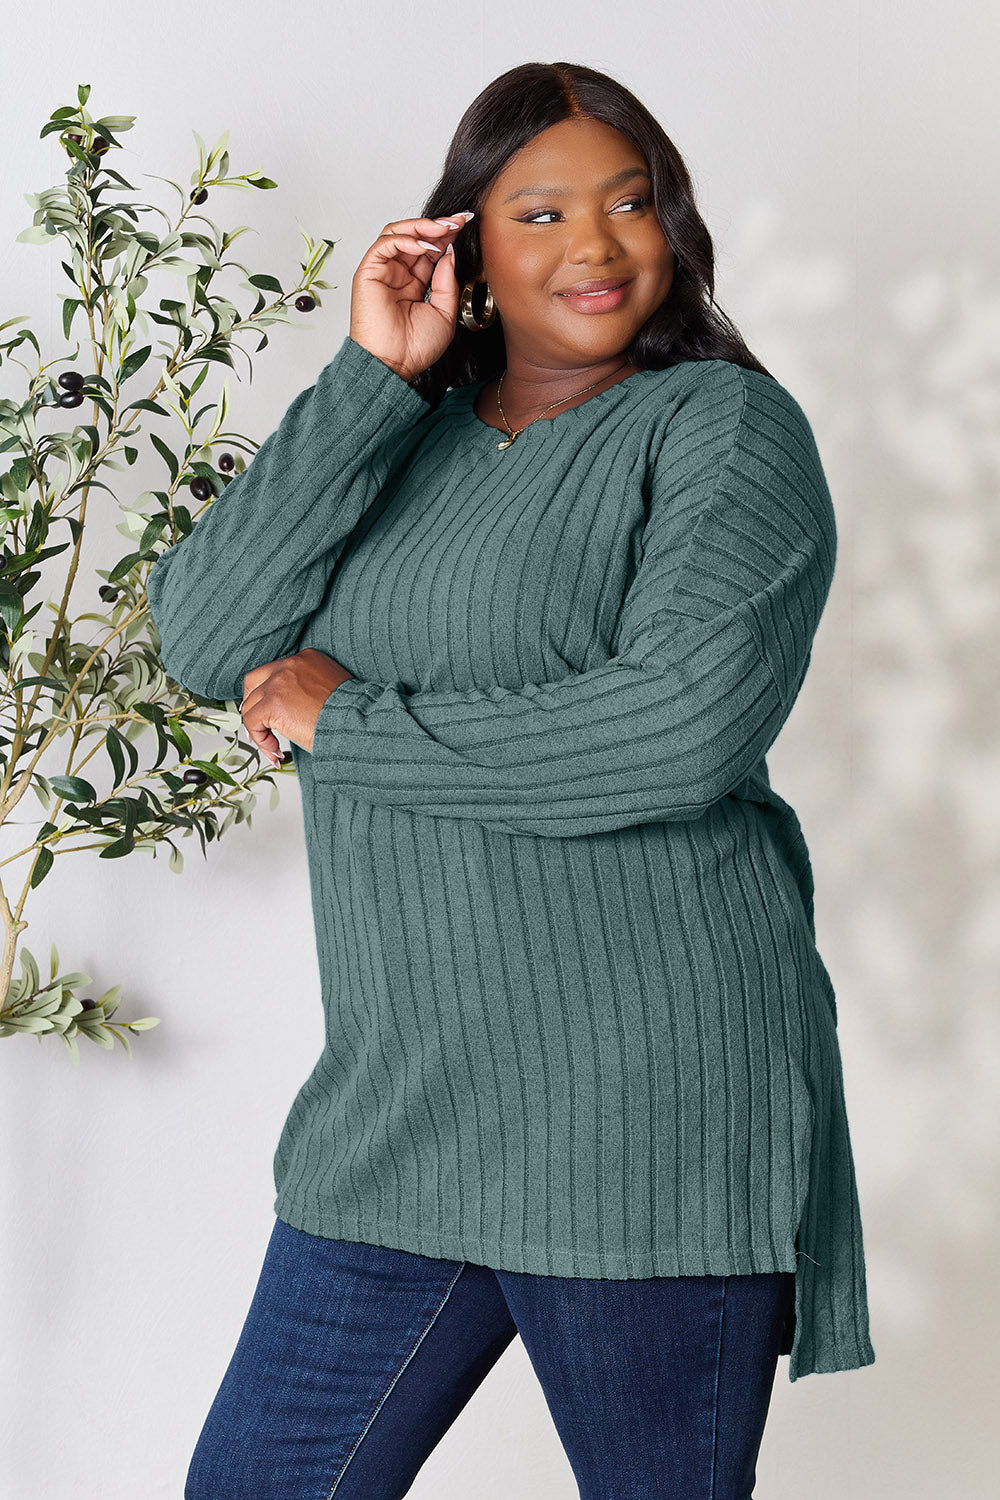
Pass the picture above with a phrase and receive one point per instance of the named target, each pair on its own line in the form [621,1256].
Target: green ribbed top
[576,1020]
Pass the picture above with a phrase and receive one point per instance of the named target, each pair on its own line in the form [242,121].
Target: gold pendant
[507,442]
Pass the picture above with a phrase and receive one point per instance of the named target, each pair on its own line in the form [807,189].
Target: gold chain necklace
[512,435]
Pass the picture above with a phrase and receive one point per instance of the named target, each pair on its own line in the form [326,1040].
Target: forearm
[639,740]
[238,590]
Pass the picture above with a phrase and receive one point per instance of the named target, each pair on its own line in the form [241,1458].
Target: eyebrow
[560,192]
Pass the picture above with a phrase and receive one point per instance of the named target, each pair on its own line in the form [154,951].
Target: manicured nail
[450,223]
[468,214]
[428,246]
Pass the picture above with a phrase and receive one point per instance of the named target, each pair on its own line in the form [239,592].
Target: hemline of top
[421,1242]
[530,1254]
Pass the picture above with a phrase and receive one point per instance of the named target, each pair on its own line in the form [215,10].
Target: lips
[582,288]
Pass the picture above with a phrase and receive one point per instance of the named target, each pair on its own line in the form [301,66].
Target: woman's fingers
[410,234]
[403,308]
[443,291]
[267,743]
[448,223]
[265,739]
[387,247]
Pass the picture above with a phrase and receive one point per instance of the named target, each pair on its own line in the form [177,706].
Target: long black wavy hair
[504,117]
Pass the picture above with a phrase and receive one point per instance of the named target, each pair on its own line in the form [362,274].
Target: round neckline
[464,398]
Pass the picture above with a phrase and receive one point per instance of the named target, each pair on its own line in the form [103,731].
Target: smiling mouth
[601,291]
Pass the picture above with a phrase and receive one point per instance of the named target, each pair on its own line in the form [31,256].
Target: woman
[529,578]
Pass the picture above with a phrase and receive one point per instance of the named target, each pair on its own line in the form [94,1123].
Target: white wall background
[846,161]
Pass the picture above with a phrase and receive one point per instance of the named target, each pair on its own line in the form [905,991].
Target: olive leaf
[121,759]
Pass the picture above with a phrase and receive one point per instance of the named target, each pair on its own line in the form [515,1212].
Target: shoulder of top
[715,379]
[742,407]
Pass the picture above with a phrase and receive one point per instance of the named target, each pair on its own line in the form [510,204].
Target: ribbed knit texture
[576,1020]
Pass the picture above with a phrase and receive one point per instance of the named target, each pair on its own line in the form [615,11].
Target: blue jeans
[355,1359]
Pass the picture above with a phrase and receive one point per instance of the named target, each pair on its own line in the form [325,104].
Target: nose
[593,240]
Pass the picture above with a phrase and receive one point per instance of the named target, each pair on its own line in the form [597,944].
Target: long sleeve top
[576,1020]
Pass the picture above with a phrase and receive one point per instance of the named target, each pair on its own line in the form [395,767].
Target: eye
[534,218]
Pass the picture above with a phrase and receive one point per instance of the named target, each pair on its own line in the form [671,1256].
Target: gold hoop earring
[465,308]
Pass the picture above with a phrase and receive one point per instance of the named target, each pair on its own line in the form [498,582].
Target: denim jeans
[355,1359]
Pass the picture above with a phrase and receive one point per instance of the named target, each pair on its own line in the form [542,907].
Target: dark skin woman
[580,1050]
[573,205]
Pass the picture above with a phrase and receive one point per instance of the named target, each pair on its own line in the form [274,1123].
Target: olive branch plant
[90,689]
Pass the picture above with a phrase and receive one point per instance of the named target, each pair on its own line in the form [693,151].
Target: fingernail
[427,245]
[468,214]
[449,222]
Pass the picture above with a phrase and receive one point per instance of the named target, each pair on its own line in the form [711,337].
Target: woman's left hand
[285,697]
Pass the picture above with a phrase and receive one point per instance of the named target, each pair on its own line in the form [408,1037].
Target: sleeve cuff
[372,381]
[343,709]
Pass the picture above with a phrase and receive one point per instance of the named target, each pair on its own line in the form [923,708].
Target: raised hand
[389,316]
